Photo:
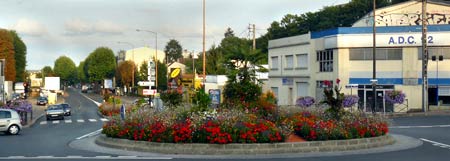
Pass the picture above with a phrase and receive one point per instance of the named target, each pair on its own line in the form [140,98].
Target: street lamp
[440,58]
[132,75]
[156,53]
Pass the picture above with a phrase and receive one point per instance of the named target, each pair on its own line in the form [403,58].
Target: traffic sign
[146,83]
[148,92]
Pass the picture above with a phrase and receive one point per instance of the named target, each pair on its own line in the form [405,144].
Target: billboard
[52,83]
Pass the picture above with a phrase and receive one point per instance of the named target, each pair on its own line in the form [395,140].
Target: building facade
[141,55]
[300,64]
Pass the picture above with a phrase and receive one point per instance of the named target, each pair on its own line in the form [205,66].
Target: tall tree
[65,68]
[229,33]
[173,51]
[7,53]
[100,64]
[20,55]
[123,71]
[143,72]
[216,61]
[162,76]
[81,72]
[47,71]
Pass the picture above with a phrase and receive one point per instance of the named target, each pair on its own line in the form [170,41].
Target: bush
[171,98]
[201,100]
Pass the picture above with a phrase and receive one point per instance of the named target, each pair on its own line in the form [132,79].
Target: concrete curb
[432,113]
[246,149]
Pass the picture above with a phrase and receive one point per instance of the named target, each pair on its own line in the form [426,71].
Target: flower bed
[238,126]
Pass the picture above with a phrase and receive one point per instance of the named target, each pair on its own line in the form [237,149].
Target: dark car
[67,109]
[42,101]
[55,112]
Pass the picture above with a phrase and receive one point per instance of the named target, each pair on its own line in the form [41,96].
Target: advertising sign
[214,95]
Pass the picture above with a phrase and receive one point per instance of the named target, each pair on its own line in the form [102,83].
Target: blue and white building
[300,64]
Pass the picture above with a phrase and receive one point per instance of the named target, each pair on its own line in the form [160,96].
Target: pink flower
[338,80]
[327,83]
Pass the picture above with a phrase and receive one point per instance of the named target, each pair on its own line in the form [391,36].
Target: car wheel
[48,119]
[14,130]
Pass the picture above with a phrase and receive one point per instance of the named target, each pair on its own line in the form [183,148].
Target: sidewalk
[38,111]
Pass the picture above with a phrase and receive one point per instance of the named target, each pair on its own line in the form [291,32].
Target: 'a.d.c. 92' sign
[408,40]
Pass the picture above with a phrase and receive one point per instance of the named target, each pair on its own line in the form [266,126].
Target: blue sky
[74,28]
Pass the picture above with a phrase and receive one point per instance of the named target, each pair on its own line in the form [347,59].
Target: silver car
[55,111]
[10,121]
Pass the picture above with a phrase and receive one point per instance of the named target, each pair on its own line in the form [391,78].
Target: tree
[162,76]
[20,55]
[81,72]
[47,71]
[65,68]
[215,64]
[100,64]
[173,51]
[142,75]
[123,71]
[7,53]
[229,33]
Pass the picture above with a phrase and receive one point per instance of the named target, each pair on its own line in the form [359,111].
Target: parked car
[67,109]
[10,121]
[55,111]
[42,101]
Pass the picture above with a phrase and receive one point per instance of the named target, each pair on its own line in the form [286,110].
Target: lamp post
[132,75]
[156,53]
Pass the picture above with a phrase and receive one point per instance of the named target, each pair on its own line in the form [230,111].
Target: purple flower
[395,97]
[305,101]
[350,100]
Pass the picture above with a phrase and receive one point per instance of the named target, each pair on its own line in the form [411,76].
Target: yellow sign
[175,73]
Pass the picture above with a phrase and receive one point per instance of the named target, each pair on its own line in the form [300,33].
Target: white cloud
[29,27]
[82,27]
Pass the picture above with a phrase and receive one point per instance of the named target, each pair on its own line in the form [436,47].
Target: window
[302,61]
[289,62]
[325,59]
[5,114]
[302,89]
[444,51]
[382,53]
[274,63]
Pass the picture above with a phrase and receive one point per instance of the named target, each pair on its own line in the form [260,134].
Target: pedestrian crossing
[70,121]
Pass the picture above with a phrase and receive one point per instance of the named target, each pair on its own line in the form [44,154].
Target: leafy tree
[215,61]
[123,71]
[20,55]
[229,33]
[65,68]
[81,72]
[142,75]
[162,76]
[7,53]
[173,51]
[100,64]
[47,71]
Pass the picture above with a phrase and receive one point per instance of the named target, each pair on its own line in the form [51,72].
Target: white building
[300,64]
[143,54]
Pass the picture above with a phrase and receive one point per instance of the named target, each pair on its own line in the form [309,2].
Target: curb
[246,149]
[433,113]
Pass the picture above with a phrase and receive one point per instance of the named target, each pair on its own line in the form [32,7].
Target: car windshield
[65,105]
[54,108]
[42,98]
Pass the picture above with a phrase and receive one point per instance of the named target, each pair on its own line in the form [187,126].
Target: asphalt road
[52,140]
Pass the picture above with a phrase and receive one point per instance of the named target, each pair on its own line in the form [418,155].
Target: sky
[75,28]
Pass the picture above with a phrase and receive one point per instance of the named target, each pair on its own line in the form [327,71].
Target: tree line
[14,51]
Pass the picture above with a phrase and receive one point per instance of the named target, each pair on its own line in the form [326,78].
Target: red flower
[327,83]
[338,80]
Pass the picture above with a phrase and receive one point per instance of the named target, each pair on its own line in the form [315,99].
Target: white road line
[427,126]
[442,145]
[49,156]
[74,156]
[56,122]
[92,120]
[80,120]
[12,157]
[90,134]
[104,120]
[68,121]
[43,122]
[107,156]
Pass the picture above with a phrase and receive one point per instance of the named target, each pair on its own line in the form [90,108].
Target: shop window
[437,51]
[325,59]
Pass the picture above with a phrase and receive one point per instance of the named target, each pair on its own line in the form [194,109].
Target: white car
[10,121]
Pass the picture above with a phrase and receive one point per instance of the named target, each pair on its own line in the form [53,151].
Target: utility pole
[204,54]
[424,57]
[254,37]
[374,61]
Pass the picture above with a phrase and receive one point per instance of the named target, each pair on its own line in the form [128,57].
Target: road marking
[43,122]
[56,122]
[104,120]
[438,144]
[68,121]
[90,134]
[74,156]
[83,158]
[49,156]
[80,120]
[107,156]
[427,126]
[92,120]
[12,157]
